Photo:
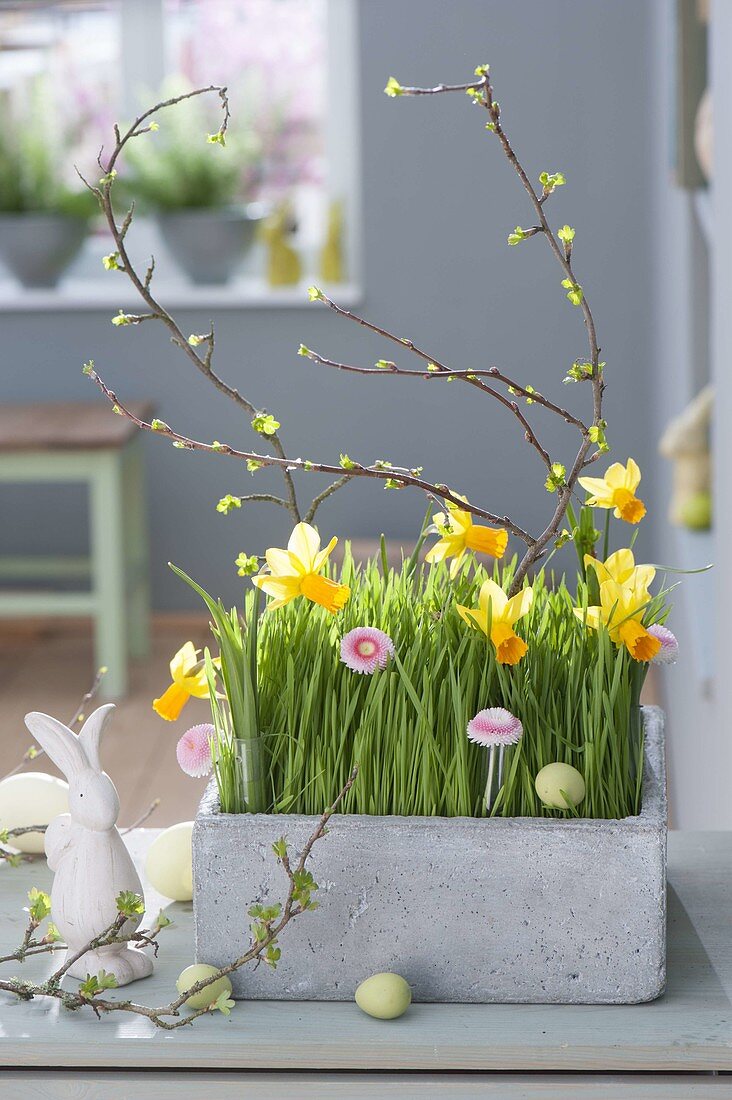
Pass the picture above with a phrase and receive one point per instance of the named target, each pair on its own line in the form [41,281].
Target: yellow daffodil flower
[296,572]
[621,610]
[621,568]
[189,678]
[617,490]
[503,613]
[460,534]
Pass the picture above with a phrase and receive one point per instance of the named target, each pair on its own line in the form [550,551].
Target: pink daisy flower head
[494,726]
[669,650]
[366,649]
[194,751]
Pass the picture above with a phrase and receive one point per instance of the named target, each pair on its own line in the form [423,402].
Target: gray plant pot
[37,248]
[209,245]
[529,910]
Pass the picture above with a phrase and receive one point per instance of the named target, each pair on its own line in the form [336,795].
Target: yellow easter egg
[169,863]
[384,996]
[31,798]
[555,778]
[196,973]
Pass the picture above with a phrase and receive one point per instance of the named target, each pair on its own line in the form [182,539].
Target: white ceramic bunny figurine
[86,851]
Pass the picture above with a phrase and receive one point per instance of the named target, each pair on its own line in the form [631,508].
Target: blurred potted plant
[200,202]
[43,220]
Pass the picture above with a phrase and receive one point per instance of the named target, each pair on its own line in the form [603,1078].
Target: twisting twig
[262,946]
[142,818]
[439,371]
[79,714]
[378,471]
[481,92]
[327,492]
[202,363]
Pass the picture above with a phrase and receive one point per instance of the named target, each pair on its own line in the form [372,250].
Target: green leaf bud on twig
[228,504]
[557,477]
[247,564]
[40,905]
[393,88]
[265,423]
[574,291]
[130,904]
[550,181]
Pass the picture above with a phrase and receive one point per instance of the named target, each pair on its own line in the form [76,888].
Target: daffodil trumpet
[496,615]
[458,535]
[188,674]
[621,610]
[617,490]
[296,571]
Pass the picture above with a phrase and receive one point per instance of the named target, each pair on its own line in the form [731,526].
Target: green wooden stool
[89,444]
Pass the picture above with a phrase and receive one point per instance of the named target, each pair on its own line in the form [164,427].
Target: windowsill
[87,295]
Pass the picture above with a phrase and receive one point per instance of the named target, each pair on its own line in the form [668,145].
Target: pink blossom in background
[270,53]
[366,649]
[494,726]
[272,56]
[669,651]
[194,751]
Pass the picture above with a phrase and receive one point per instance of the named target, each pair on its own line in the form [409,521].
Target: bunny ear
[91,734]
[61,743]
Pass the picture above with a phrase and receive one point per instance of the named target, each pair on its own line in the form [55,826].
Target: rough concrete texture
[501,910]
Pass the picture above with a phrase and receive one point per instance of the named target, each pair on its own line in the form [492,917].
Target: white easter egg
[384,996]
[206,996]
[553,779]
[31,798]
[169,863]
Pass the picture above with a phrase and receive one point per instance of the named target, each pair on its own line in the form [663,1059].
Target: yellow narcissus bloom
[617,490]
[621,610]
[460,534]
[621,568]
[189,678]
[296,572]
[503,613]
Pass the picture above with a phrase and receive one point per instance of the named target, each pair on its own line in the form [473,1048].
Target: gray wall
[573,79]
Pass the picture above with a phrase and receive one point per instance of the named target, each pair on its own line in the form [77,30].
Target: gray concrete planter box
[469,910]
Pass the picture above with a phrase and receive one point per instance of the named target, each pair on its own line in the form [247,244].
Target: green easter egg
[384,996]
[169,863]
[196,973]
[555,778]
[696,512]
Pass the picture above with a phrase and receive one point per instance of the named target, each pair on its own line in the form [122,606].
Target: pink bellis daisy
[366,649]
[669,650]
[495,726]
[194,751]
[495,729]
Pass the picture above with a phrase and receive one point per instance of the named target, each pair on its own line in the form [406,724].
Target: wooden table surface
[678,1046]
